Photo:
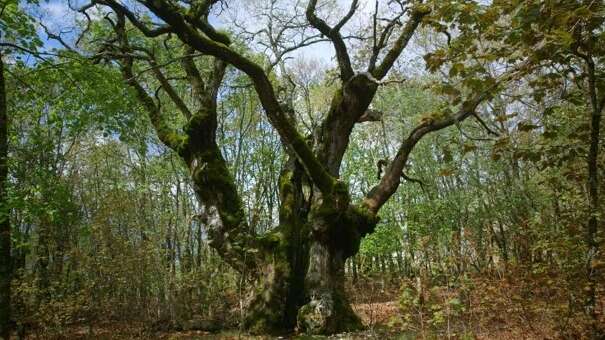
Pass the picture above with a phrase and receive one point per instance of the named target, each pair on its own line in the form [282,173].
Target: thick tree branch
[277,114]
[226,224]
[370,116]
[205,92]
[402,41]
[198,86]
[392,178]
[390,181]
[348,16]
[342,55]
[167,135]
[170,91]
[198,16]
[119,8]
[216,78]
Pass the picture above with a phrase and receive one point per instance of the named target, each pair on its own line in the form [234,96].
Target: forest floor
[517,307]
[379,317]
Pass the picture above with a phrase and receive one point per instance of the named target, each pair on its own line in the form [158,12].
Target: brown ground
[504,309]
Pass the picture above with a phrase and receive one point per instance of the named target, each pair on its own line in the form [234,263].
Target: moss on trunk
[328,310]
[336,236]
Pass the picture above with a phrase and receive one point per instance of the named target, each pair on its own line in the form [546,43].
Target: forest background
[496,230]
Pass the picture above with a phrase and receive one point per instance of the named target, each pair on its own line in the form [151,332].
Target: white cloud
[57,14]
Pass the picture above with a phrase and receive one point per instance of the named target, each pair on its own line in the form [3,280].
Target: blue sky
[57,16]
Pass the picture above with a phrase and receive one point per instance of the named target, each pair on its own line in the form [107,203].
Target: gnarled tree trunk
[298,267]
[280,292]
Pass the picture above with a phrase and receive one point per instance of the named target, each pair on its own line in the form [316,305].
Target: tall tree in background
[5,230]
[565,43]
[17,33]
[299,264]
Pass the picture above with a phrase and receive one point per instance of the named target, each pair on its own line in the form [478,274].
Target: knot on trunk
[314,317]
[370,115]
[328,312]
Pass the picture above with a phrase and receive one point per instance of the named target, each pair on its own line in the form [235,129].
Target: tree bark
[328,310]
[5,229]
[596,105]
[336,233]
[281,291]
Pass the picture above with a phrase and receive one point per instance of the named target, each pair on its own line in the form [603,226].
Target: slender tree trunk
[383,266]
[354,269]
[400,263]
[5,231]
[593,192]
[504,246]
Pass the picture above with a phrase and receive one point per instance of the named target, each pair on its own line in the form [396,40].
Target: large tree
[298,265]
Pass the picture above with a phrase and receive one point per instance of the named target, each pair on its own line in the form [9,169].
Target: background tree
[5,255]
[16,34]
[563,40]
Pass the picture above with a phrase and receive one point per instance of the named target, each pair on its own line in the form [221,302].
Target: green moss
[287,209]
[340,188]
[362,215]
[200,118]
[422,9]
[268,312]
[347,320]
[336,101]
[285,181]
[177,141]
[224,35]
[264,320]
[272,241]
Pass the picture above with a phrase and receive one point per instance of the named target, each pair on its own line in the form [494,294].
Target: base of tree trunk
[328,313]
[274,307]
[267,311]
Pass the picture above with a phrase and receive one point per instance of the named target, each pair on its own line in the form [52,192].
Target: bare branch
[413,180]
[391,179]
[402,41]
[348,16]
[56,37]
[149,32]
[380,43]
[490,131]
[342,55]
